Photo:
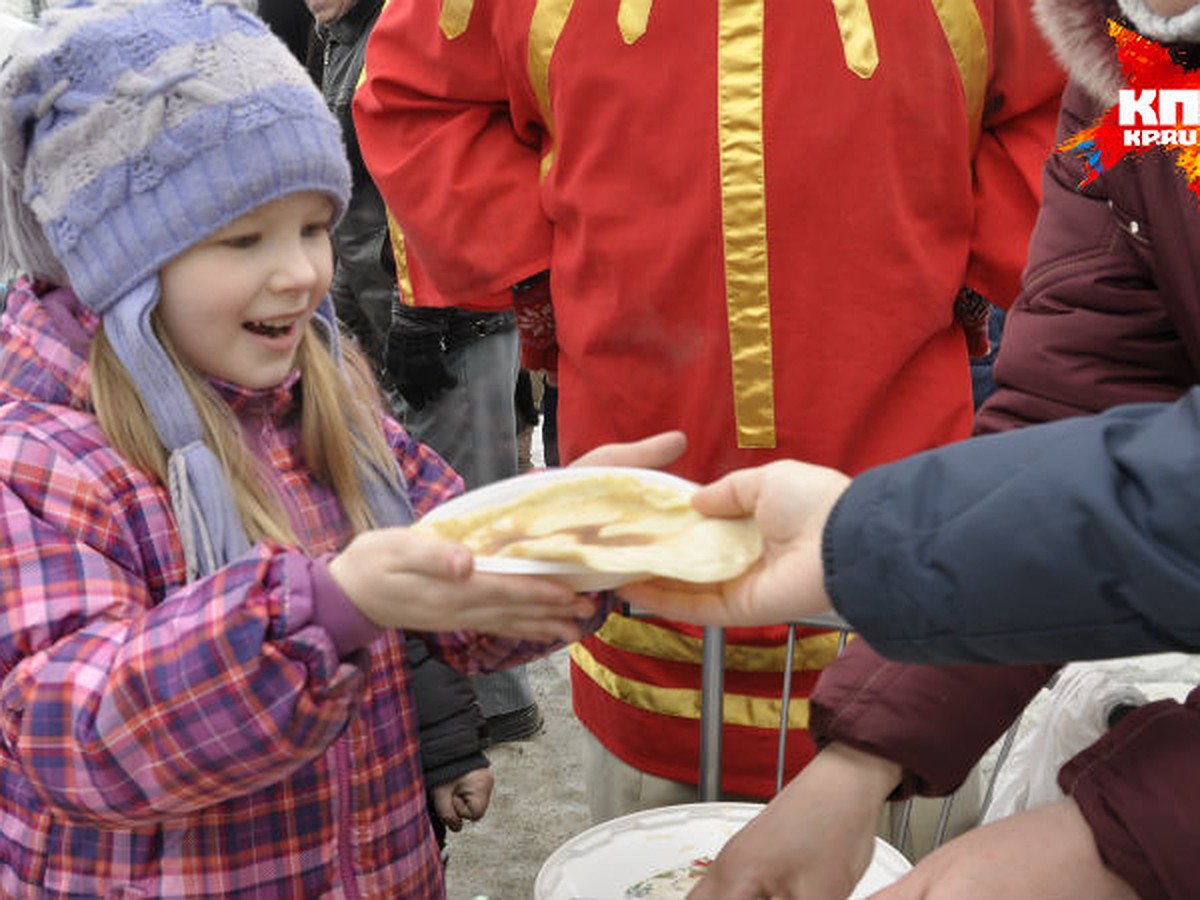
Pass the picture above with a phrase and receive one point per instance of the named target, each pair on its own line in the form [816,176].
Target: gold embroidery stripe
[398,251]
[456,16]
[744,209]
[858,36]
[549,17]
[632,17]
[968,43]
[648,639]
[738,709]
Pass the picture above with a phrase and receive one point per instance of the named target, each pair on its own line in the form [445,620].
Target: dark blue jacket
[1072,540]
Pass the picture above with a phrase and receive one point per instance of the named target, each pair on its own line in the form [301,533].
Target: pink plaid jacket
[162,739]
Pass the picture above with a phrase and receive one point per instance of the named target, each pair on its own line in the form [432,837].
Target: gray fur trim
[1183,27]
[1078,33]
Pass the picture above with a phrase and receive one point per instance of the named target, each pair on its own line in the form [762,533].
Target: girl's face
[236,304]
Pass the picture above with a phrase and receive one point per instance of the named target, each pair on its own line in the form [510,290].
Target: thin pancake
[609,523]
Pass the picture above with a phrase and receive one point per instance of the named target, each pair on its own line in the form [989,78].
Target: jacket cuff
[452,771]
[852,589]
[1137,789]
[332,610]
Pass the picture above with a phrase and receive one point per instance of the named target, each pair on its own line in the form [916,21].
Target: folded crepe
[609,523]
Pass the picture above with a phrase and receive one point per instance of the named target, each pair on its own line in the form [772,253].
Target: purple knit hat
[130,130]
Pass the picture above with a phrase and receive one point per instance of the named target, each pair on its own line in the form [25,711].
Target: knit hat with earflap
[130,130]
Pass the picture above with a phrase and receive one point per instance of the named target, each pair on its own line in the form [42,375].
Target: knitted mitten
[535,322]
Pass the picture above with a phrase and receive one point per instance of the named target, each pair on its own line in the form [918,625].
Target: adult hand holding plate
[790,503]
[653,452]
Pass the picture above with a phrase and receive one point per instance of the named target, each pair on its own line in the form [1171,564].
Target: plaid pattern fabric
[166,740]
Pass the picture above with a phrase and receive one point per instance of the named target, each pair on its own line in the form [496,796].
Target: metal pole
[781,759]
[712,707]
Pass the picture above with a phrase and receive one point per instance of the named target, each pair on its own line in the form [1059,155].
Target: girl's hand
[399,579]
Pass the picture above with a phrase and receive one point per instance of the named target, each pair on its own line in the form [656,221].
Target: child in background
[204,684]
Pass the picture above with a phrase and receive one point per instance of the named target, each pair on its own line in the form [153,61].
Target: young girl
[204,689]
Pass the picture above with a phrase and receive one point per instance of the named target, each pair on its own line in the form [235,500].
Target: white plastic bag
[1072,715]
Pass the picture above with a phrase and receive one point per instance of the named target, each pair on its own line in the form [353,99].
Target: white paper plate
[577,575]
[603,862]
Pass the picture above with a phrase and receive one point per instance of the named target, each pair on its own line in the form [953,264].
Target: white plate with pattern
[615,858]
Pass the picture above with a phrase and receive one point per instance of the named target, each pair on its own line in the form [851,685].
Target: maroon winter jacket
[1109,313]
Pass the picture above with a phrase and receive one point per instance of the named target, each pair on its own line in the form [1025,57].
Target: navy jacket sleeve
[1071,540]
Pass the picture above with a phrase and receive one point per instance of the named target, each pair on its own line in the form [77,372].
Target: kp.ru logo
[1167,118]
[1160,108]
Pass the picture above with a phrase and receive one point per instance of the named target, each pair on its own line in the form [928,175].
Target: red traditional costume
[757,217]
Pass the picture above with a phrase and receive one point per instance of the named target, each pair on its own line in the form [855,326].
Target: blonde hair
[341,441]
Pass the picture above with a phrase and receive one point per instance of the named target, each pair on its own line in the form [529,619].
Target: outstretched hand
[401,579]
[790,503]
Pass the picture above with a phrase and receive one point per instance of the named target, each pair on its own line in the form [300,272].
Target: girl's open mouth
[267,329]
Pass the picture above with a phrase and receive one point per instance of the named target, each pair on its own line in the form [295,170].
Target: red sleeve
[1138,790]
[1019,117]
[455,157]
[935,721]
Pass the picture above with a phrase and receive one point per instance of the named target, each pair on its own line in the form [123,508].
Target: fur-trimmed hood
[1078,33]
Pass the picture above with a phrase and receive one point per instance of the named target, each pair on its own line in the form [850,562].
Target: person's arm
[936,722]
[1048,852]
[1137,790]
[452,728]
[1091,523]
[814,840]
[455,155]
